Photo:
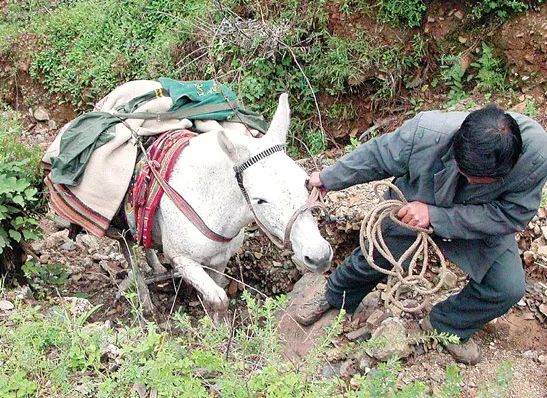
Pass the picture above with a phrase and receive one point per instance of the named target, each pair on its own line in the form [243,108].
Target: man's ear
[233,146]
[279,126]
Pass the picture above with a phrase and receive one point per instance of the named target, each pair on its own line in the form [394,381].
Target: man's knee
[512,292]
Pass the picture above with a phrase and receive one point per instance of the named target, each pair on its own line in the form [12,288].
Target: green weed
[498,388]
[531,109]
[491,75]
[401,12]
[500,9]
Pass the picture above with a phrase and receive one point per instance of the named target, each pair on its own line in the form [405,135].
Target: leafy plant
[491,75]
[531,109]
[19,198]
[452,73]
[401,12]
[353,144]
[498,8]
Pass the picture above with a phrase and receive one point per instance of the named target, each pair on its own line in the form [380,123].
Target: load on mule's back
[199,220]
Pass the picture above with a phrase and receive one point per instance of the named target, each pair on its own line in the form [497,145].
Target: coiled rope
[412,279]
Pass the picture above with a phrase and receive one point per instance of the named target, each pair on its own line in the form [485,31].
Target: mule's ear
[282,118]
[237,151]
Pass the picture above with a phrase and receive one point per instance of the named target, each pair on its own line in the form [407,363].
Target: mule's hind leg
[193,273]
[153,261]
[134,275]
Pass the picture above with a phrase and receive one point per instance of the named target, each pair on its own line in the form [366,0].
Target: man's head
[487,145]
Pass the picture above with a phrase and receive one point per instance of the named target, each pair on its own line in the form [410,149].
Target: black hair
[488,143]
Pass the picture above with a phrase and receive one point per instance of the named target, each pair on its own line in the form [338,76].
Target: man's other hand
[415,214]
[315,181]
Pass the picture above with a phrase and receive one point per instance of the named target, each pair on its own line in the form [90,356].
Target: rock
[6,305]
[376,317]
[52,124]
[459,14]
[348,368]
[544,232]
[76,305]
[41,114]
[528,257]
[537,230]
[542,251]
[543,309]
[89,242]
[520,107]
[430,19]
[366,362]
[331,370]
[362,333]
[450,279]
[530,354]
[542,359]
[56,239]
[392,340]
[370,303]
[24,293]
[69,245]
[462,39]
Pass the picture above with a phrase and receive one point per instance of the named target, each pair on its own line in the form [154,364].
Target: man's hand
[315,181]
[415,214]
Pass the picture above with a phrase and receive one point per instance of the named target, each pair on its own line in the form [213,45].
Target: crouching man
[476,179]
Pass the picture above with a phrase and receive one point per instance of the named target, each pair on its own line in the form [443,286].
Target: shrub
[19,193]
[401,12]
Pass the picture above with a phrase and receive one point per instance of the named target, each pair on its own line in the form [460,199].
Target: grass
[85,48]
[56,353]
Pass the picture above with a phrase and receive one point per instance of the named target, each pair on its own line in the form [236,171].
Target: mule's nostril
[308,260]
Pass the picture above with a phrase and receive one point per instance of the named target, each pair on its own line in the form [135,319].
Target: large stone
[89,242]
[542,251]
[391,340]
[369,304]
[41,114]
[6,305]
[450,280]
[362,333]
[56,239]
[376,317]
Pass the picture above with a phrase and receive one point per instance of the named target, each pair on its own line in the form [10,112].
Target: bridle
[314,200]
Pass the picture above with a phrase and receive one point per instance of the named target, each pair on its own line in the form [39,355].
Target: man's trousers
[461,314]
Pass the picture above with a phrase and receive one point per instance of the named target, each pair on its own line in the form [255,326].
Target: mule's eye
[261,201]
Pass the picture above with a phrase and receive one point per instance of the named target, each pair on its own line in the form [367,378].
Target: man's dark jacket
[473,226]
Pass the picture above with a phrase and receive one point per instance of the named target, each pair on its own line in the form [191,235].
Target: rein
[314,200]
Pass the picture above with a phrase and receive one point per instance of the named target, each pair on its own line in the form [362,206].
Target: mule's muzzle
[318,262]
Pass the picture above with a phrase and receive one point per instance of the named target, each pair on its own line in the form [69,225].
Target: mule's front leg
[193,273]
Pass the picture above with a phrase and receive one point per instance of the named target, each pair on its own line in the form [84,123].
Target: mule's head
[276,187]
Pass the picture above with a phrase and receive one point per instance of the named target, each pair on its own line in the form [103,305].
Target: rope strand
[414,278]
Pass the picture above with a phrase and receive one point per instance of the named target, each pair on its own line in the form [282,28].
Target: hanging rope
[412,279]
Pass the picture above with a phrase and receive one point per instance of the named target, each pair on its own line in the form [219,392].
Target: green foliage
[353,144]
[19,176]
[498,388]
[452,384]
[453,75]
[401,12]
[92,45]
[498,8]
[491,75]
[59,354]
[531,109]
[43,277]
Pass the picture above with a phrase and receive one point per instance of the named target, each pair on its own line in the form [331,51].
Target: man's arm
[385,156]
[510,214]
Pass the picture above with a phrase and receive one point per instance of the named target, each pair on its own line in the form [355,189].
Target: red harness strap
[152,182]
